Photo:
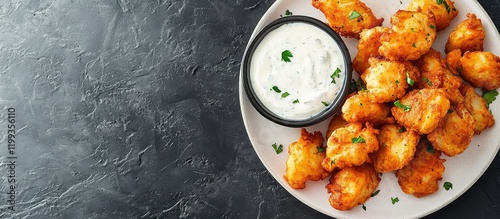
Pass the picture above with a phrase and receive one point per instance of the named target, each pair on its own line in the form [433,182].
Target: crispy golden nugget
[352,186]
[304,160]
[453,61]
[456,134]
[420,177]
[478,108]
[396,148]
[350,146]
[481,69]
[421,110]
[336,122]
[386,81]
[467,36]
[443,11]
[360,108]
[411,36]
[347,17]
[368,45]
[435,74]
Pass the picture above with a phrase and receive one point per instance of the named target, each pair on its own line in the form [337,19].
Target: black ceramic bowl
[334,105]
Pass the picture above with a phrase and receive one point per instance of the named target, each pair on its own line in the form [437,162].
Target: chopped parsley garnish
[363,206]
[375,193]
[320,149]
[398,104]
[447,186]
[354,14]
[490,96]
[336,74]
[439,2]
[459,70]
[288,12]
[359,139]
[430,149]
[409,80]
[283,95]
[402,129]
[277,148]
[286,55]
[324,103]
[296,101]
[397,82]
[394,200]
[414,46]
[429,82]
[357,85]
[432,26]
[449,111]
[276,89]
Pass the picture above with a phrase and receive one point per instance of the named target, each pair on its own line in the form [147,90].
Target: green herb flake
[286,55]
[276,89]
[398,104]
[490,96]
[278,148]
[402,129]
[354,14]
[430,149]
[429,82]
[410,81]
[394,200]
[414,46]
[375,193]
[448,185]
[357,85]
[332,162]
[449,111]
[358,140]
[432,26]
[288,12]
[335,74]
[283,95]
[397,82]
[324,103]
[363,206]
[320,149]
[459,70]
[296,101]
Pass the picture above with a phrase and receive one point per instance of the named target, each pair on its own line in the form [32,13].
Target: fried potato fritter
[478,108]
[421,110]
[411,36]
[453,61]
[467,36]
[386,81]
[420,177]
[360,108]
[350,146]
[435,74]
[336,122]
[443,12]
[352,186]
[347,17]
[304,160]
[368,45]
[481,69]
[456,134]
[396,148]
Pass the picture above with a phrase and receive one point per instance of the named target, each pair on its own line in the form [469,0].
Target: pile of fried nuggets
[415,104]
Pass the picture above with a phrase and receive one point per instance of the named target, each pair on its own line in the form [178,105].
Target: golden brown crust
[352,186]
[481,69]
[336,122]
[453,61]
[467,36]
[443,14]
[368,45]
[478,108]
[347,17]
[304,160]
[420,177]
[360,108]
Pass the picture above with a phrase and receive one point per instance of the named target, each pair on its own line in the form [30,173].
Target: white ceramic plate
[462,170]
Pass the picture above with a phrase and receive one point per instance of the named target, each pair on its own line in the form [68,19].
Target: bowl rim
[332,108]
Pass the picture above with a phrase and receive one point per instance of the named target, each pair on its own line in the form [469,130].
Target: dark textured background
[130,109]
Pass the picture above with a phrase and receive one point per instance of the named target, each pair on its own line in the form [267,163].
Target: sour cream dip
[297,70]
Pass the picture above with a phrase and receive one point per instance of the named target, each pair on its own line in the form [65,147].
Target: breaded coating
[467,36]
[421,110]
[350,146]
[481,69]
[352,186]
[360,108]
[453,61]
[435,74]
[304,160]
[386,81]
[478,108]
[368,45]
[456,134]
[396,148]
[347,17]
[336,122]
[444,12]
[420,177]
[411,36]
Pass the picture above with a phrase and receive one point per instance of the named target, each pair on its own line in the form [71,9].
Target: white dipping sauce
[305,82]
